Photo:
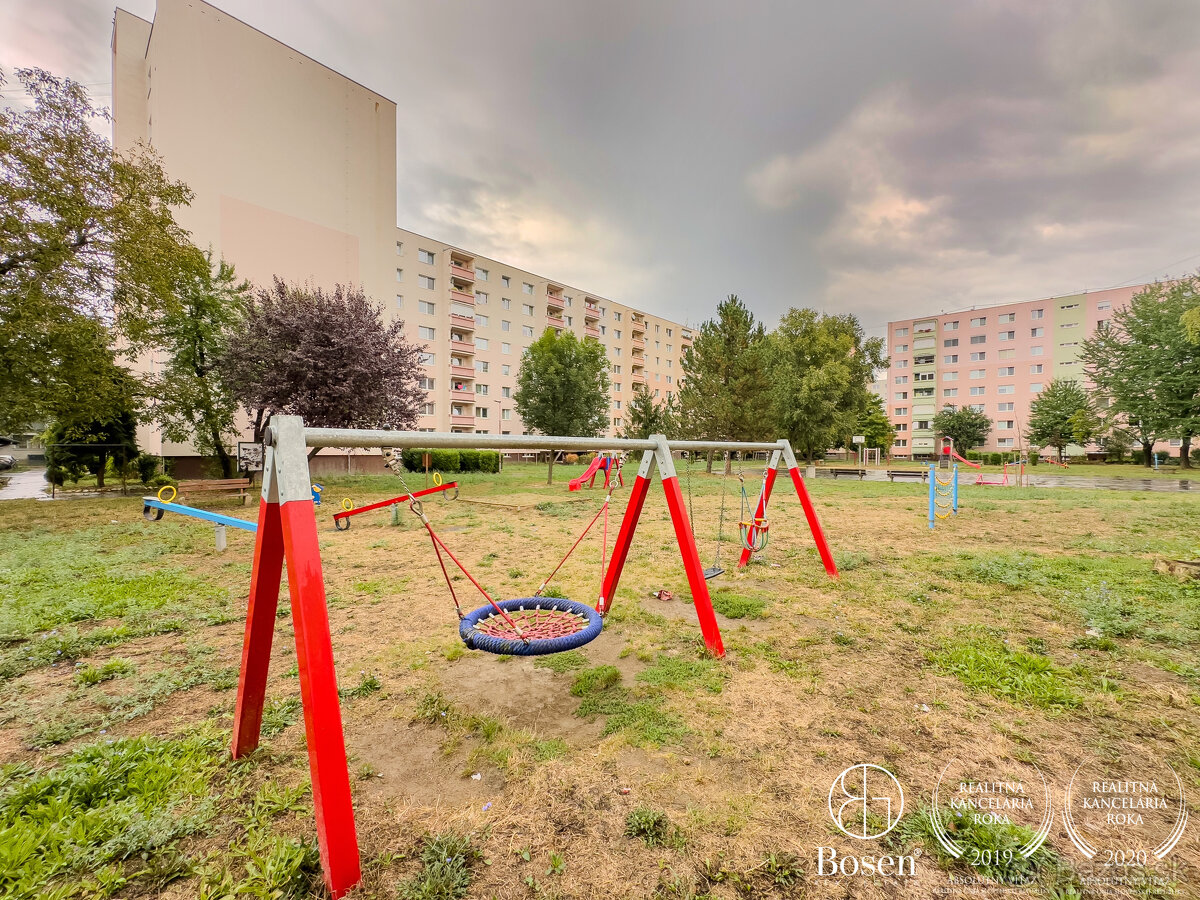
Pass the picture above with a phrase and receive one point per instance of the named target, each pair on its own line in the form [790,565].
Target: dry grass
[927,648]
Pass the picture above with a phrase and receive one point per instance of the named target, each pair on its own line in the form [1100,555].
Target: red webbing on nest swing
[536,624]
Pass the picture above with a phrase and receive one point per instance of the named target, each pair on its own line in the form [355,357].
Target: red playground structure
[287,532]
[603,462]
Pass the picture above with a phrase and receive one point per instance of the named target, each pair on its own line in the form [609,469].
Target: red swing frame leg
[633,512]
[760,511]
[810,512]
[288,531]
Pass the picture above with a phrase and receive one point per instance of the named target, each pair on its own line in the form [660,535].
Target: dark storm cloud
[877,157]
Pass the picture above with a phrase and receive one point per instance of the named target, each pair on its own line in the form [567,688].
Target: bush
[446,460]
[974,455]
[161,480]
[468,460]
[489,461]
[1137,457]
[995,459]
[147,466]
[1034,458]
[572,459]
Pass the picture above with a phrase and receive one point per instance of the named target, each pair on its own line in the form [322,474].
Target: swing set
[287,532]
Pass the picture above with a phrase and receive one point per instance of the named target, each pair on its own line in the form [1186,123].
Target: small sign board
[859,439]
[250,456]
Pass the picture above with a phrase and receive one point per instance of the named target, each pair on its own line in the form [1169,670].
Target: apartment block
[293,167]
[995,359]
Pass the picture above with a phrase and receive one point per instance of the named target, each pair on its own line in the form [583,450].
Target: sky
[881,158]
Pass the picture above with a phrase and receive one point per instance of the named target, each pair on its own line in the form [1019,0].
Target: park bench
[893,474]
[836,471]
[216,485]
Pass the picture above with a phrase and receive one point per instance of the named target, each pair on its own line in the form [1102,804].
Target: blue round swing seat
[548,625]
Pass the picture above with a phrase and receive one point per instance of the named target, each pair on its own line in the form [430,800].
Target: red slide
[973,465]
[593,467]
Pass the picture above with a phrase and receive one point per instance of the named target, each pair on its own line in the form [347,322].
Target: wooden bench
[835,472]
[893,474]
[216,485]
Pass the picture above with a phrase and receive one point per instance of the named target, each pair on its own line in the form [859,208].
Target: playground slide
[973,465]
[593,467]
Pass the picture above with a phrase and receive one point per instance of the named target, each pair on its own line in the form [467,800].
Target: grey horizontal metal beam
[354,437]
[723,445]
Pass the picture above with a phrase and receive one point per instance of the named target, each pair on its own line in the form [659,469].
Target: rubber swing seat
[549,625]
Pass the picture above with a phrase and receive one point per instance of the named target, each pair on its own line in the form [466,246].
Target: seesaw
[154,507]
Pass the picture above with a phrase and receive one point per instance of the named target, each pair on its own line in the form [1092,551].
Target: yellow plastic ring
[165,488]
[347,504]
[437,478]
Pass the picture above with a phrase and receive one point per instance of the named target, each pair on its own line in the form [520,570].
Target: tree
[875,426]
[328,357]
[87,444]
[644,417]
[193,400]
[724,394]
[87,238]
[1063,414]
[562,386]
[966,427]
[1148,367]
[821,369]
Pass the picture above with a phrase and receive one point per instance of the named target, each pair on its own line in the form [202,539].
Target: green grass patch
[596,680]
[446,863]
[737,606]
[653,827]
[114,668]
[561,662]
[984,663]
[685,673]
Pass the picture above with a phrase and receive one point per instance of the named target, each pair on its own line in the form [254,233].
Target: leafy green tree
[87,238]
[821,369]
[562,387]
[644,416]
[875,426]
[193,400]
[966,427]
[88,443]
[1063,414]
[724,394]
[1148,367]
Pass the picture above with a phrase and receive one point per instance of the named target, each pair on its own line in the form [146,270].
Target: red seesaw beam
[403,498]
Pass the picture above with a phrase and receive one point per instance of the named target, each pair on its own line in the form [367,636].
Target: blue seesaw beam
[149,503]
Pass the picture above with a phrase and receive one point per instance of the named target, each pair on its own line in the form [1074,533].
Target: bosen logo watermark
[865,802]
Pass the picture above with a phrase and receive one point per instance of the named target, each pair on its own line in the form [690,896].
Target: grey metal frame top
[353,437]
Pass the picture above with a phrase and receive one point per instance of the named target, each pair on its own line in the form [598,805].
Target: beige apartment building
[996,359]
[293,166]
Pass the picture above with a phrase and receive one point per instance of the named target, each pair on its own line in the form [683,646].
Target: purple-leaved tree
[328,357]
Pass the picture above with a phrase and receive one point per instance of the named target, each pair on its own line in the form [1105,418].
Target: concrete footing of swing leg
[810,471]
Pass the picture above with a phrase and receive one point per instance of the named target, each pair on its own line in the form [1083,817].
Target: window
[1004,318]
[1036,351]
[481,412]
[426,256]
[1007,354]
[426,282]
[903,443]
[481,321]
[1069,344]
[922,425]
[901,348]
[505,347]
[978,391]
[951,359]
[617,386]
[505,303]
[399,301]
[506,369]
[399,274]
[1176,442]
[901,411]
[427,359]
[481,389]
[901,395]
[1006,389]
[951,326]
[979,356]
[950,392]
[1008,335]
[978,407]
[1069,306]
[1105,305]
[979,323]
[482,366]
[949,376]
[506,281]
[1035,386]
[902,426]
[979,339]
[1005,424]
[922,393]
[901,332]
[901,364]
[1037,332]
[481,343]
[506,414]
[901,379]
[481,274]
[505,325]
[1037,313]
[951,342]
[425,383]
[527,308]
[1100,323]
[481,298]
[976,374]
[616,404]
[399,248]
[569,322]
[1005,407]
[1004,442]
[1036,369]
[427,409]
[424,306]
[426,333]
[616,315]
[526,331]
[616,351]
[506,392]
[925,376]
[1006,370]
[526,287]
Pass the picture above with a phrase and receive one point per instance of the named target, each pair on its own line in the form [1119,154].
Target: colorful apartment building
[293,167]
[995,359]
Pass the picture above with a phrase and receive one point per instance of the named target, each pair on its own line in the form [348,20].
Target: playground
[1030,627]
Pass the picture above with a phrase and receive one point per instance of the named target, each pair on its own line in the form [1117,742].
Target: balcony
[467,322]
[639,343]
[591,331]
[639,357]
[462,420]
[462,396]
[461,271]
[591,312]
[686,334]
[462,296]
[462,347]
[467,372]
[556,322]
[637,378]
[555,301]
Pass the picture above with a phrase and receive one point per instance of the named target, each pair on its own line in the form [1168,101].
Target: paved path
[28,485]
[1084,482]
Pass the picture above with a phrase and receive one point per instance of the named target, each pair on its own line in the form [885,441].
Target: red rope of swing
[603,508]
[437,543]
